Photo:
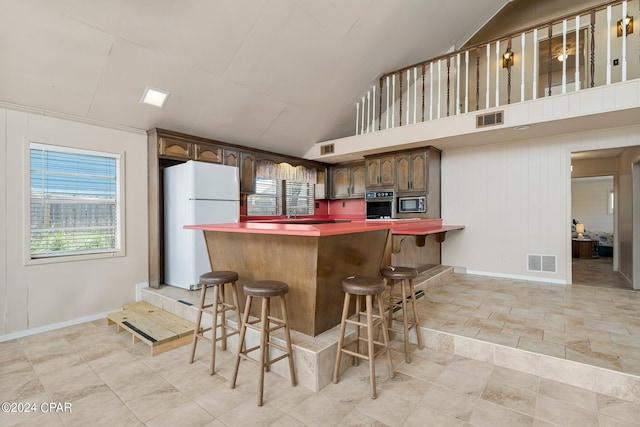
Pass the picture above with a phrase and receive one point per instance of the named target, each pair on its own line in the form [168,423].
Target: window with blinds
[299,198]
[75,201]
[275,197]
[267,200]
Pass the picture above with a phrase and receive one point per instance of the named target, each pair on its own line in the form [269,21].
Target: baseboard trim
[54,326]
[517,277]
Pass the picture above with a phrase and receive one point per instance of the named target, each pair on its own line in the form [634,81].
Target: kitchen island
[311,258]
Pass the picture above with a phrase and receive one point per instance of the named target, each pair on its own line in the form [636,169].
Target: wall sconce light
[580,230]
[508,60]
[628,22]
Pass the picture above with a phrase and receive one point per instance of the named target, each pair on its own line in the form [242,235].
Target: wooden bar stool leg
[236,303]
[391,283]
[370,344]
[196,330]
[223,323]
[415,314]
[405,321]
[385,338]
[263,347]
[287,335]
[268,332]
[214,329]
[356,360]
[343,327]
[243,332]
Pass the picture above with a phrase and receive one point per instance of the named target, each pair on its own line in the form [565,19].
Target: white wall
[41,296]
[589,202]
[514,199]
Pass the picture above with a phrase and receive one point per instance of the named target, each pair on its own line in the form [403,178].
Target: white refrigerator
[195,193]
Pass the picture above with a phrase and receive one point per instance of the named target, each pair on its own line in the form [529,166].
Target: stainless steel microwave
[412,204]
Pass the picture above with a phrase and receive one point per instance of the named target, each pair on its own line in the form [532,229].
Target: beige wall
[514,199]
[625,211]
[39,296]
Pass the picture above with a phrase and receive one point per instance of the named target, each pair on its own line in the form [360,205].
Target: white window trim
[26,206]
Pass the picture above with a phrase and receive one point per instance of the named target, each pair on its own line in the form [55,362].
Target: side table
[585,248]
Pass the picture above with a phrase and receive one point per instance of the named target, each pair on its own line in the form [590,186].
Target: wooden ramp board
[159,329]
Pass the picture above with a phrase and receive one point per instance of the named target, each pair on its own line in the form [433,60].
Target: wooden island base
[312,266]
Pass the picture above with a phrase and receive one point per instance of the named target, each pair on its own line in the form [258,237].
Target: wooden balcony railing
[589,48]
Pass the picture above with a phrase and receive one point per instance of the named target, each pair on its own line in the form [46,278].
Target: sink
[308,221]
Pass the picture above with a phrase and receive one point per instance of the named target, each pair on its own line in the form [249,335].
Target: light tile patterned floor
[110,381]
[599,326]
[598,272]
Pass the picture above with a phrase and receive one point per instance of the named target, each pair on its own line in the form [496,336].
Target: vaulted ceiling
[278,75]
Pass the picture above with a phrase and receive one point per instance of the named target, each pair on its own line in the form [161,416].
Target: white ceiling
[278,75]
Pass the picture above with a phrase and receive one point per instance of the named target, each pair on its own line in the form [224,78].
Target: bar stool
[405,276]
[265,289]
[218,280]
[364,287]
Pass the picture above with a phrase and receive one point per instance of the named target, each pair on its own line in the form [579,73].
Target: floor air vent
[490,119]
[326,149]
[541,263]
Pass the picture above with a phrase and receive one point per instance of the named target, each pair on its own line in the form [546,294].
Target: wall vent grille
[542,263]
[327,149]
[490,119]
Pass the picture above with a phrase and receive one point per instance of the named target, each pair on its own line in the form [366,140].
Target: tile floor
[598,272]
[110,381]
[588,324]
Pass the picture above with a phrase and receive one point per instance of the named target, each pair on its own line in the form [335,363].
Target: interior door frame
[635,211]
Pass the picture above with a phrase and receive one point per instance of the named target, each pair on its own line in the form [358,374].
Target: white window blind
[267,199]
[273,198]
[75,201]
[299,198]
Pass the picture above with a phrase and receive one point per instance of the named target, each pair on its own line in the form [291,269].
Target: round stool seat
[363,285]
[265,288]
[214,278]
[399,273]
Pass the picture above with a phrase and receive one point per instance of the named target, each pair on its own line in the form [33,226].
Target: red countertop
[403,227]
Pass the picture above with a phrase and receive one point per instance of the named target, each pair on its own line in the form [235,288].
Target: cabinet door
[418,175]
[340,182]
[403,166]
[372,167]
[247,172]
[174,148]
[387,171]
[320,187]
[231,157]
[357,181]
[380,172]
[208,153]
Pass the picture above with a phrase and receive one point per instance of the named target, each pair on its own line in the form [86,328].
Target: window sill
[72,258]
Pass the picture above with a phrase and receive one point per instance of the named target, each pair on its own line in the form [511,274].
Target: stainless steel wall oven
[380,204]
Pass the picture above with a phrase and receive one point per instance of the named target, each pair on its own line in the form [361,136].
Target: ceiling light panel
[154,97]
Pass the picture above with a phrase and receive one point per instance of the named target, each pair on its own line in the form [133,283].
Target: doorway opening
[606,201]
[593,229]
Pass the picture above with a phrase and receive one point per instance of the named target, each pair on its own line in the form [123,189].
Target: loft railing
[593,47]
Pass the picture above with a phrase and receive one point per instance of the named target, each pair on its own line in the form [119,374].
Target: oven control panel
[379,194]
